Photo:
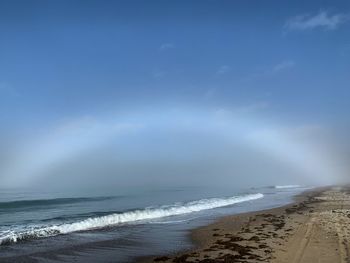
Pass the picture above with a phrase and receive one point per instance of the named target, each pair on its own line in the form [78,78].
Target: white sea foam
[11,236]
[287,186]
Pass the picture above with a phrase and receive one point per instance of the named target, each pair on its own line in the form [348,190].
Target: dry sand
[316,228]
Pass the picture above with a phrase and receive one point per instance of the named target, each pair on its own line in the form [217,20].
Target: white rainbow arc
[75,138]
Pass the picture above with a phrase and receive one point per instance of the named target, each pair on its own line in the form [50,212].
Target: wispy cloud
[223,70]
[166,46]
[158,73]
[320,20]
[254,107]
[283,66]
[271,71]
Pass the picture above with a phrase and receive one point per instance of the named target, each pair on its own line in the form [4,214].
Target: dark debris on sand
[250,244]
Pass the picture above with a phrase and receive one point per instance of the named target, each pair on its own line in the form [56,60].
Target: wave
[171,221]
[287,186]
[49,202]
[7,237]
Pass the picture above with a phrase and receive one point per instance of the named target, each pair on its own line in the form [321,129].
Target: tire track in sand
[304,242]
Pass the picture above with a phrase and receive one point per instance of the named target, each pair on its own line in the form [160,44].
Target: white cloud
[253,108]
[321,20]
[271,71]
[283,66]
[166,46]
[223,70]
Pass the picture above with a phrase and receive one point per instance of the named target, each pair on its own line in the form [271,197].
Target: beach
[315,228]
[174,131]
[271,224]
[44,227]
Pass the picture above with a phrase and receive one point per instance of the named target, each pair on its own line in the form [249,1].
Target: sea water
[39,226]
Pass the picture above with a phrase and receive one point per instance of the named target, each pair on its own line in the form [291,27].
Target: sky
[167,93]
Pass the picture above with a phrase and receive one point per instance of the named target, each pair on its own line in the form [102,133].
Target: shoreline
[265,235]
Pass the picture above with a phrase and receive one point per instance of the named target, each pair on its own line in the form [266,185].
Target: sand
[316,228]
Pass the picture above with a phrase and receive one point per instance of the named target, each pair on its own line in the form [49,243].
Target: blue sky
[65,61]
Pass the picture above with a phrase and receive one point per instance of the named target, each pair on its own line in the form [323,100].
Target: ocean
[38,226]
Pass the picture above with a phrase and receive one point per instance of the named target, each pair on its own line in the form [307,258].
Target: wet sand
[316,228]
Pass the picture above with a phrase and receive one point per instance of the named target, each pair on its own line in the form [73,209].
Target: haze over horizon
[158,94]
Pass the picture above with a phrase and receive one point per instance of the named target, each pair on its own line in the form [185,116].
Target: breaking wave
[287,186]
[12,236]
